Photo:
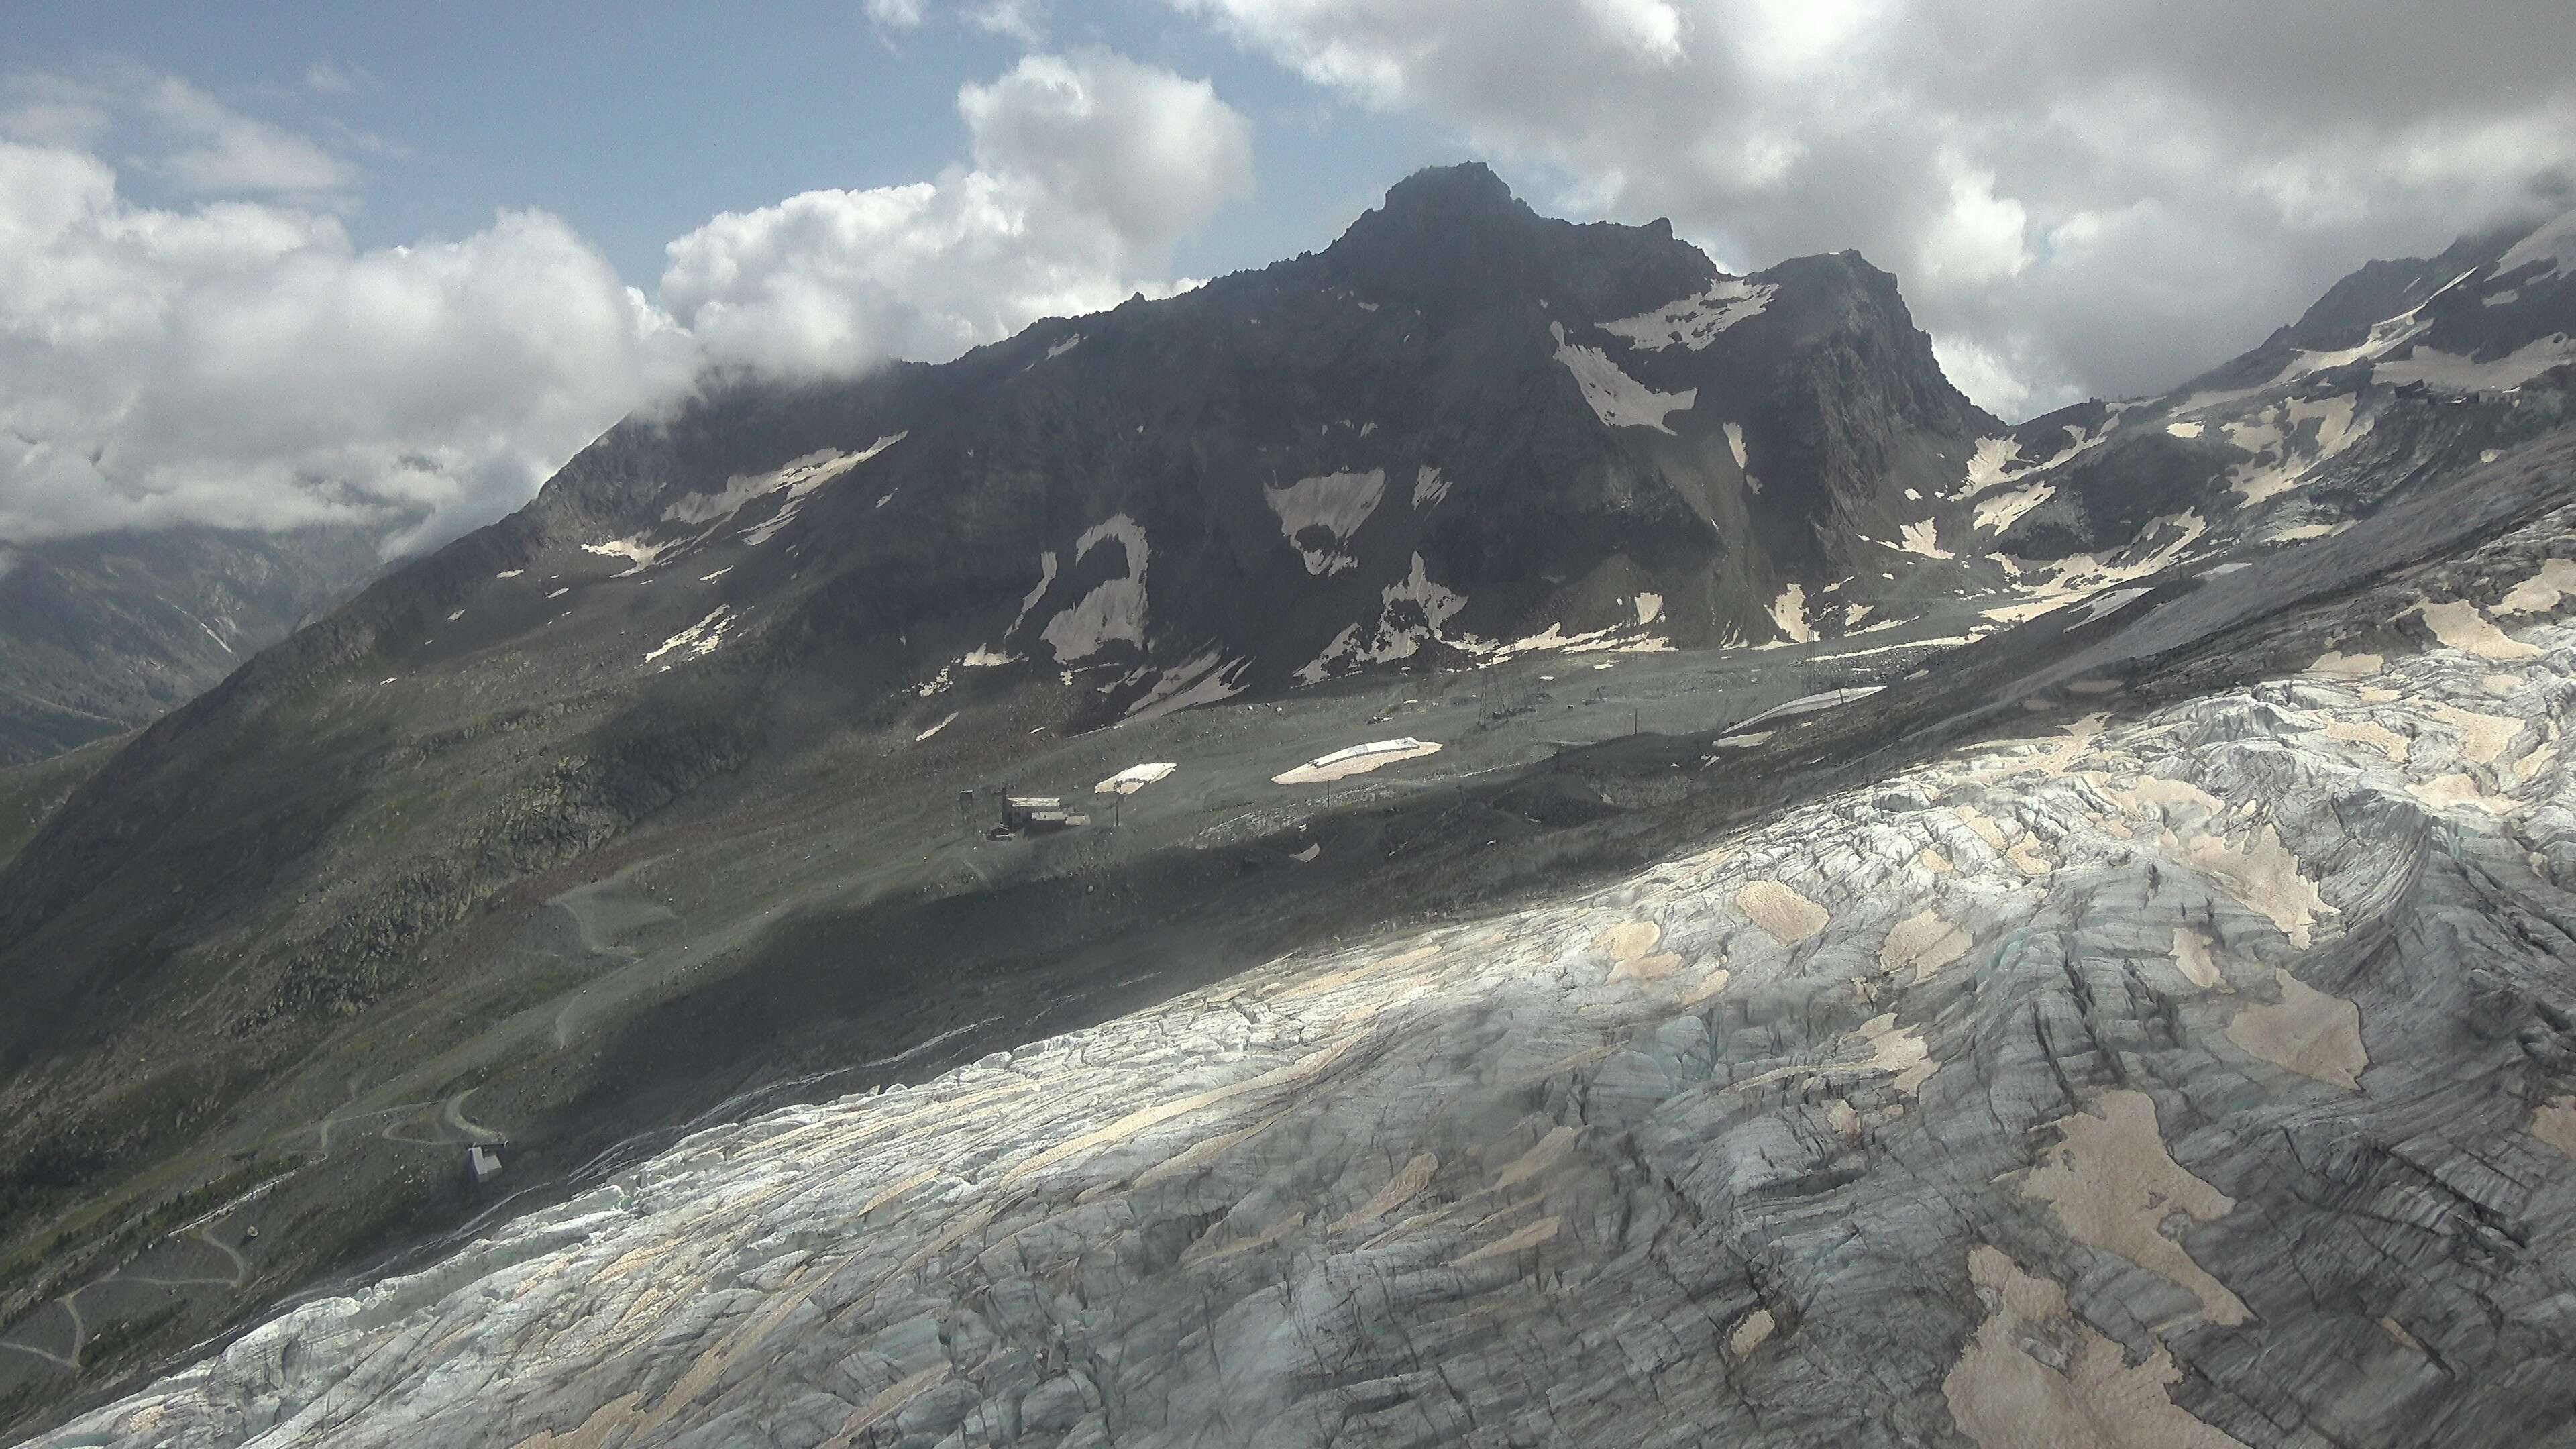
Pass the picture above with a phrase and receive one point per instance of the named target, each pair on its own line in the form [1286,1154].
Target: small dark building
[1038,814]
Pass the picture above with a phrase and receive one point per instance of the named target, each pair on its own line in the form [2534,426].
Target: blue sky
[637,122]
[281,263]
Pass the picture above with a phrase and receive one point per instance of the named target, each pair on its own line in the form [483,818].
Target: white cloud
[327,78]
[239,361]
[243,363]
[1653,28]
[53,110]
[1978,237]
[895,14]
[1999,383]
[1022,20]
[222,150]
[1135,147]
[1087,169]
[2098,195]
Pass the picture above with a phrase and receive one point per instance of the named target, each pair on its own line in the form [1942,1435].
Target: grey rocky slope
[2191,1068]
[107,632]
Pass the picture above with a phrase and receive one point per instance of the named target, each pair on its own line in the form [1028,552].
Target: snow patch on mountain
[1114,611]
[2554,243]
[1336,504]
[1997,514]
[2104,605]
[2281,461]
[1429,487]
[1789,615]
[801,475]
[1620,401]
[1412,612]
[1990,464]
[2043,588]
[2449,373]
[701,638]
[2079,441]
[638,553]
[795,485]
[1923,538]
[2385,336]
[1695,321]
[1208,678]
[1046,580]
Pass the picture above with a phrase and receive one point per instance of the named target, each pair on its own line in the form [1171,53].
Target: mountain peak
[1452,194]
[1450,240]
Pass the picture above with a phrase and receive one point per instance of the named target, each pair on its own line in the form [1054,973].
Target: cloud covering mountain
[2092,197]
[241,362]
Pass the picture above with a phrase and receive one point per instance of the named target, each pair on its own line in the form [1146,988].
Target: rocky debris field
[2192,1073]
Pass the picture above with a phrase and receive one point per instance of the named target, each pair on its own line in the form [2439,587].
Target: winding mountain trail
[203,1232]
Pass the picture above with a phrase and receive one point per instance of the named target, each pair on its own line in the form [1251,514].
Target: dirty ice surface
[1357,760]
[1132,779]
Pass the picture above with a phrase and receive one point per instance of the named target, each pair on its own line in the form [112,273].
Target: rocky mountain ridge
[108,632]
[1415,444]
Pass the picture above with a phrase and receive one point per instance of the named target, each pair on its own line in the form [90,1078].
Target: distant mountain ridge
[2401,372]
[103,633]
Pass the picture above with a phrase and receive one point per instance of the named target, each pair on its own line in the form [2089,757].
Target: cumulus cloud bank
[239,361]
[242,363]
[2080,196]
[1087,169]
